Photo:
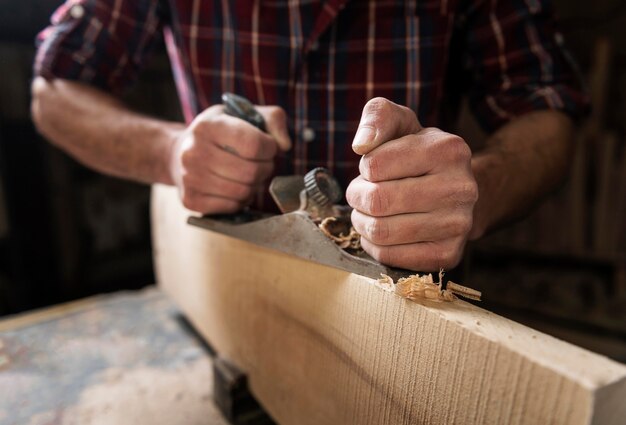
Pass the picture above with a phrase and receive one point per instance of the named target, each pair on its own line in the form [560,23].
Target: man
[374,76]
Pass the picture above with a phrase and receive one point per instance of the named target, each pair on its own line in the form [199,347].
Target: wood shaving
[464,291]
[416,287]
[340,230]
[351,240]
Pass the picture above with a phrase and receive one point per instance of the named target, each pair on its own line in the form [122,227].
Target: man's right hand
[219,161]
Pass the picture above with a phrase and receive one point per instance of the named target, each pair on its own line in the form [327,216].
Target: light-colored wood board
[33,317]
[322,346]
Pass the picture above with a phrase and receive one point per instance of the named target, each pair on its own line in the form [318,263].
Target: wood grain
[322,346]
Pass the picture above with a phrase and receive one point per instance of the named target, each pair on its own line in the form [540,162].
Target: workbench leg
[230,387]
[232,397]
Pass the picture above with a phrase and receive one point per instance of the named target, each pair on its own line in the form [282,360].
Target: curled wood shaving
[352,240]
[464,291]
[416,287]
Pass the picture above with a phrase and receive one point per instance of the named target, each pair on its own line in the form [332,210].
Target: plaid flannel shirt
[322,60]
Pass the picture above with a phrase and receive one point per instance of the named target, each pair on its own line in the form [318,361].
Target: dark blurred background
[67,232]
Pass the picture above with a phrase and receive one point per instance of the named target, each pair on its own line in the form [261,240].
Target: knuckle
[352,196]
[472,191]
[380,253]
[187,158]
[437,257]
[377,230]
[466,192]
[379,104]
[371,167]
[214,109]
[384,255]
[277,113]
[460,225]
[379,108]
[456,149]
[375,200]
[201,128]
[197,130]
[446,255]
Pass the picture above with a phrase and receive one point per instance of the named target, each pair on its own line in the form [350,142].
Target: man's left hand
[414,199]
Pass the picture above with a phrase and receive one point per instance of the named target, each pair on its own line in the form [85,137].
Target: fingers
[234,135]
[424,256]
[427,151]
[411,228]
[214,185]
[242,138]
[210,159]
[423,241]
[382,121]
[220,161]
[276,124]
[414,198]
[205,204]
[412,195]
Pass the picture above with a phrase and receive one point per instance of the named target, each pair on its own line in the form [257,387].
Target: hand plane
[304,202]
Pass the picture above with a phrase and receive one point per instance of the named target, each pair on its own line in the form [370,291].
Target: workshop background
[67,232]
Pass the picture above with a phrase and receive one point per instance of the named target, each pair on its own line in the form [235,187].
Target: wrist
[173,134]
[485,166]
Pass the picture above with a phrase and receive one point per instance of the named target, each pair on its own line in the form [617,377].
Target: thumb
[382,121]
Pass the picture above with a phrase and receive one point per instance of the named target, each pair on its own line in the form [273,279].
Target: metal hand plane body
[303,201]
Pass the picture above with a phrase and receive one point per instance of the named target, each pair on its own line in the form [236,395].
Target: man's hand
[413,202]
[219,161]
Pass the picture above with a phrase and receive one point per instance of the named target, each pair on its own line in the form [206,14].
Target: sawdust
[339,229]
[147,395]
[4,361]
[341,232]
[416,287]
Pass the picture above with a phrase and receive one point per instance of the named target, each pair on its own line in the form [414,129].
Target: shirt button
[77,11]
[308,134]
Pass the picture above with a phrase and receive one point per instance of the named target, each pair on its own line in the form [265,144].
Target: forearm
[99,131]
[523,162]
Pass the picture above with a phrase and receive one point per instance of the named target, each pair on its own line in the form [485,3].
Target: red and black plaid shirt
[321,60]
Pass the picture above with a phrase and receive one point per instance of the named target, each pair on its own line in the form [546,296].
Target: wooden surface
[322,346]
[112,359]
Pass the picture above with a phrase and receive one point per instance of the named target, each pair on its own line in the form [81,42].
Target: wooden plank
[34,317]
[322,346]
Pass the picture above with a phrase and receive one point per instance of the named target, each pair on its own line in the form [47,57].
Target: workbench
[124,358]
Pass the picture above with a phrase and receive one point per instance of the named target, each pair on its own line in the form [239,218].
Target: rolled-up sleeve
[519,63]
[102,43]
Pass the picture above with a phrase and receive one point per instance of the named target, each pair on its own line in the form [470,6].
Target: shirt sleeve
[98,42]
[519,62]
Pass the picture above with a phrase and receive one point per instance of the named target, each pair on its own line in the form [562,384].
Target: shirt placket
[305,134]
